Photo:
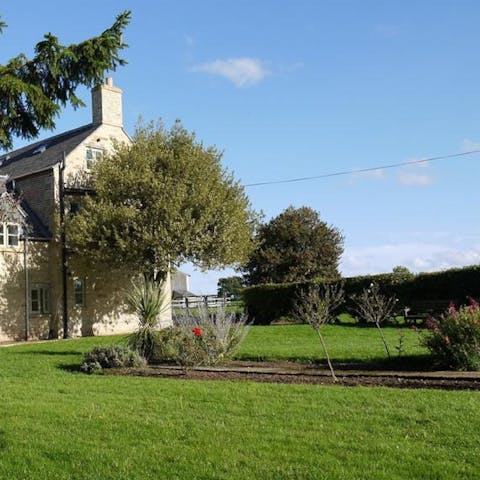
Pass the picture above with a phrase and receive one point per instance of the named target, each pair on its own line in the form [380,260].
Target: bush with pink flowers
[454,339]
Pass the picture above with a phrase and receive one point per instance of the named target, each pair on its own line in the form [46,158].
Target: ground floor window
[39,299]
[79,291]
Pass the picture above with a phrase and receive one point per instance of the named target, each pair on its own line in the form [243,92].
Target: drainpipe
[27,287]
[64,249]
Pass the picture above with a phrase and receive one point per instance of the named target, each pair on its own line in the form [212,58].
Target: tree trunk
[335,379]
[383,339]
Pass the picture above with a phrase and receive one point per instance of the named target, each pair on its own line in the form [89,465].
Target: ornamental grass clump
[454,339]
[208,336]
[148,300]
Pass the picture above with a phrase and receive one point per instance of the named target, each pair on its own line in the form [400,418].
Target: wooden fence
[210,301]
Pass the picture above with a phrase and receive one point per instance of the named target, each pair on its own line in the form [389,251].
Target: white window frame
[79,296]
[10,236]
[6,236]
[41,305]
[92,155]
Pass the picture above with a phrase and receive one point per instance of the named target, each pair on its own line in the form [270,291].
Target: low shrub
[166,344]
[112,356]
[454,339]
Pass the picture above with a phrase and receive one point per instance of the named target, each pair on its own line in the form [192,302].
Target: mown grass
[346,344]
[57,423]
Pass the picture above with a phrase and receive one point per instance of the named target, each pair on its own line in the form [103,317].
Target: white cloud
[414,179]
[242,72]
[388,31]
[189,41]
[377,174]
[415,175]
[424,257]
[469,145]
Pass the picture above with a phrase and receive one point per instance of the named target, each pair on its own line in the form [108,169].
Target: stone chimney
[107,104]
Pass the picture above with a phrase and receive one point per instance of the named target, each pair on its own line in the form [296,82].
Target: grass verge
[57,423]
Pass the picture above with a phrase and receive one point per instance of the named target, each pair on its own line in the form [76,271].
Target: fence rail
[210,301]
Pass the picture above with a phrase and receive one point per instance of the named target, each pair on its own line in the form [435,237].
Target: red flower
[197,331]
[447,340]
[414,328]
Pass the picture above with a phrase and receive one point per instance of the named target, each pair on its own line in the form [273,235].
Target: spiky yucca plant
[148,300]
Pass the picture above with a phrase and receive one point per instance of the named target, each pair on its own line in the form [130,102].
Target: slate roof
[34,226]
[24,161]
[22,213]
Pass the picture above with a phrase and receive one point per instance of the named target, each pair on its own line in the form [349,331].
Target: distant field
[57,423]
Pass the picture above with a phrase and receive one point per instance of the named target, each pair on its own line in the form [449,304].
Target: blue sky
[296,88]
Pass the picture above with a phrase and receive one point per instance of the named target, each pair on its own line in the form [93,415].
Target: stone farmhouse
[43,294]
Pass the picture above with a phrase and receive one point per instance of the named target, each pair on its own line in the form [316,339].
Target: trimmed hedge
[269,302]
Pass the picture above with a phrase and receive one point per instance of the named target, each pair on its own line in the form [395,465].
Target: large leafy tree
[229,286]
[33,90]
[294,246]
[163,200]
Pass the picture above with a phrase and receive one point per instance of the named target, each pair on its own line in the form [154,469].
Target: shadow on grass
[420,363]
[62,353]
[3,441]
[399,325]
[70,367]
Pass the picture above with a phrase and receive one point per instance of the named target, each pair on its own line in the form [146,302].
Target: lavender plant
[210,336]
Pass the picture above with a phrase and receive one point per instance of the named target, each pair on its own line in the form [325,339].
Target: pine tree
[32,91]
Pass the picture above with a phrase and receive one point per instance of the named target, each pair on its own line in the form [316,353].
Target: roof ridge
[45,140]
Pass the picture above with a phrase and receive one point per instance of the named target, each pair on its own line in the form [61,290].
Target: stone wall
[12,290]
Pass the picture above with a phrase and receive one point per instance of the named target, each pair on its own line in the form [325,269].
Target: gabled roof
[33,225]
[21,213]
[44,153]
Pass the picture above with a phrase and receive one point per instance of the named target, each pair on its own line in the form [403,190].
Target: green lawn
[57,423]
[346,343]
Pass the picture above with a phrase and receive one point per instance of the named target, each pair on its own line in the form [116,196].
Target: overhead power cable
[362,170]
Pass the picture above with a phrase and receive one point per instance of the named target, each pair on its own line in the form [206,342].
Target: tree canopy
[229,286]
[32,91]
[161,201]
[294,246]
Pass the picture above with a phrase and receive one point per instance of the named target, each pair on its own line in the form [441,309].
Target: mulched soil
[291,372]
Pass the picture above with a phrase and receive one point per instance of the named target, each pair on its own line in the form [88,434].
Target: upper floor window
[9,234]
[91,156]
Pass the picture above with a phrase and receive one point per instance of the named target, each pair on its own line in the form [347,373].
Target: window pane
[35,300]
[2,234]
[79,291]
[92,155]
[12,232]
